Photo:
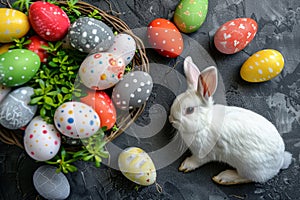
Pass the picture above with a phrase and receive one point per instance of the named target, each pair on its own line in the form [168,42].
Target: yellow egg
[13,25]
[262,66]
[137,166]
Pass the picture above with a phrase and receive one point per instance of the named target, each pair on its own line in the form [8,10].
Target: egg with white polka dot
[15,111]
[262,66]
[18,66]
[133,90]
[101,71]
[41,140]
[136,165]
[124,46]
[87,34]
[76,120]
[13,25]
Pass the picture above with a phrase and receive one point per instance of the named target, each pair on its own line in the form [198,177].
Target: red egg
[235,35]
[165,38]
[103,106]
[49,21]
[36,45]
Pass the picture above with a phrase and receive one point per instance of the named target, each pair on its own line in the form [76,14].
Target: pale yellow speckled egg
[137,166]
[262,66]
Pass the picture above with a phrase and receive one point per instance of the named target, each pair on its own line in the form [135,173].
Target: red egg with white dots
[41,140]
[103,106]
[165,38]
[235,35]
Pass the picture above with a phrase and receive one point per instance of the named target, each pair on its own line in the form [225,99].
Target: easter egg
[124,46]
[190,14]
[15,111]
[76,120]
[262,66]
[235,35]
[133,90]
[41,140]
[165,38]
[49,21]
[13,25]
[103,106]
[5,47]
[87,34]
[49,184]
[101,71]
[18,66]
[36,45]
[4,91]
[136,165]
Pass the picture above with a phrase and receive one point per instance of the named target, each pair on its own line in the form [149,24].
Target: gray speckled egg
[133,90]
[90,35]
[14,109]
[49,184]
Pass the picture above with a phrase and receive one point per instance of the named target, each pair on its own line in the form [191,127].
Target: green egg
[18,66]
[190,15]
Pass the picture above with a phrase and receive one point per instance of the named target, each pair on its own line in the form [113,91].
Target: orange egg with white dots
[103,106]
[262,66]
[165,38]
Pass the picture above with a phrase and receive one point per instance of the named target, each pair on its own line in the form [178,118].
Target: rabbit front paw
[189,164]
[230,177]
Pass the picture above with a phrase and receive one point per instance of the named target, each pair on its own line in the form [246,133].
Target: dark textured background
[278,100]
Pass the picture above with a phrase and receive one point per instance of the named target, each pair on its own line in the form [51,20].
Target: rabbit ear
[191,72]
[207,83]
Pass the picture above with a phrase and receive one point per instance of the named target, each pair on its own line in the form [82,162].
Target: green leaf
[65,90]
[36,100]
[43,112]
[42,84]
[49,101]
[87,158]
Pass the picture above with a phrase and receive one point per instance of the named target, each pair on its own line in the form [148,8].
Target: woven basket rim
[140,62]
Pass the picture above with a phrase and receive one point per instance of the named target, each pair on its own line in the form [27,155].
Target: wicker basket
[139,62]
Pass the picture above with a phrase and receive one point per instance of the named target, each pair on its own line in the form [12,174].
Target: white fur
[245,140]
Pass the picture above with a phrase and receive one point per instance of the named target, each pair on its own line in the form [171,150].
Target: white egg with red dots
[15,111]
[133,90]
[76,120]
[41,140]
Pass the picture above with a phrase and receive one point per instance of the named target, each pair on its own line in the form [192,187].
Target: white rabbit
[243,139]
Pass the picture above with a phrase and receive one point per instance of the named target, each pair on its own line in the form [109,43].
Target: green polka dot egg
[262,66]
[18,66]
[190,15]
[136,165]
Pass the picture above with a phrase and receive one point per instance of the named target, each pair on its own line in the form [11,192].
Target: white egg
[124,46]
[41,140]
[76,120]
[101,71]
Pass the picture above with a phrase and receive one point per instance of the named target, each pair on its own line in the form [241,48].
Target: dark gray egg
[133,90]
[90,35]
[49,184]
[15,111]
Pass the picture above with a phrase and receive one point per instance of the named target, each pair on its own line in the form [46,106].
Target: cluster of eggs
[232,37]
[103,69]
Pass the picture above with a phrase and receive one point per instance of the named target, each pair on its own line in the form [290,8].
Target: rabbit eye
[189,110]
